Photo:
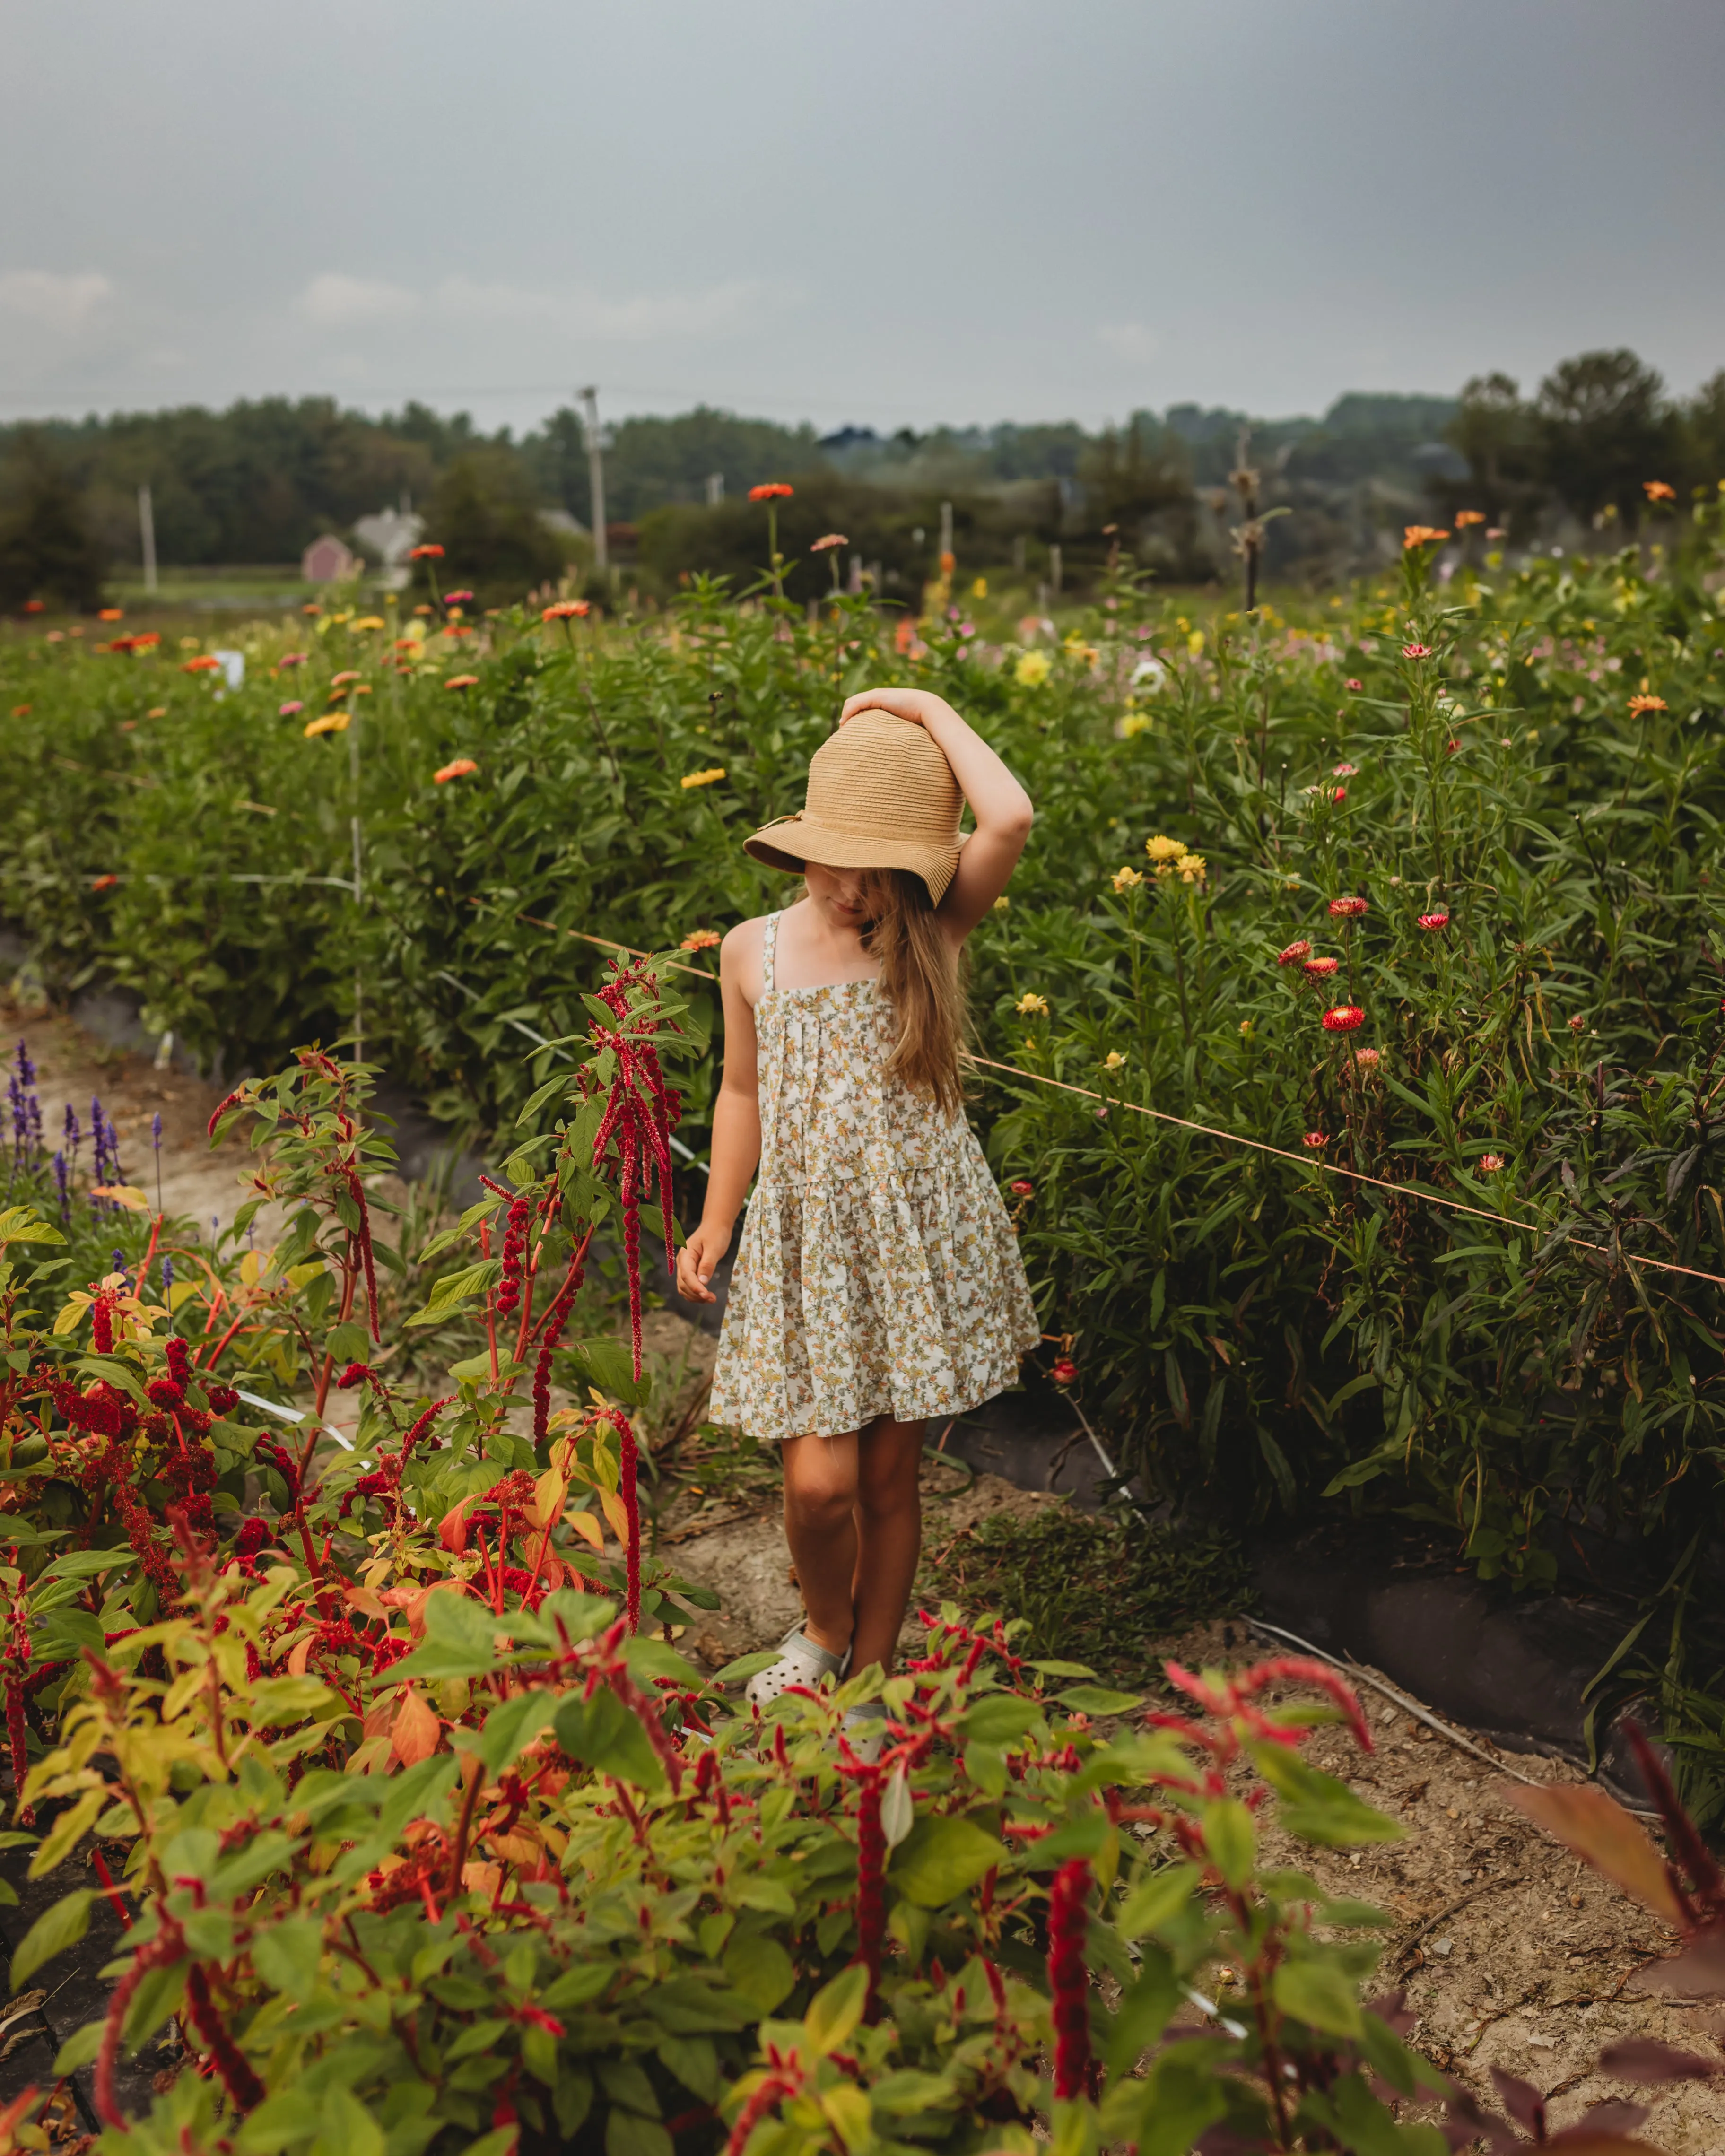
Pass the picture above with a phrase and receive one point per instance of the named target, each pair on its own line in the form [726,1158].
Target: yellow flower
[1001,904]
[1127,878]
[1114,1060]
[1160,849]
[331,722]
[1031,1006]
[703,777]
[1134,724]
[1033,670]
[1191,869]
[368,621]
[979,589]
[1194,644]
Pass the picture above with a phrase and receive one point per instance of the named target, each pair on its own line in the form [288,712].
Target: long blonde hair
[923,977]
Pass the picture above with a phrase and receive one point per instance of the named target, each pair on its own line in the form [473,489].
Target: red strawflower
[1023,1189]
[1416,651]
[1344,1017]
[1433,921]
[1316,1141]
[1348,909]
[1489,1163]
[1320,969]
[1294,953]
[1064,1372]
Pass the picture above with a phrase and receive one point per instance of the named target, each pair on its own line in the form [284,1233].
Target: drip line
[1210,1131]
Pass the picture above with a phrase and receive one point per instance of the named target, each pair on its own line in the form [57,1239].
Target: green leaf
[57,1928]
[288,1956]
[760,1969]
[537,1099]
[1318,1994]
[627,2133]
[1183,2095]
[610,1370]
[80,2048]
[454,1289]
[1098,1699]
[747,1665]
[86,1564]
[68,1828]
[940,1858]
[1317,1806]
[512,1725]
[1145,2010]
[275,1701]
[998,1718]
[1229,1837]
[23,1223]
[604,1735]
[836,2009]
[1061,1669]
[349,1343]
[460,1641]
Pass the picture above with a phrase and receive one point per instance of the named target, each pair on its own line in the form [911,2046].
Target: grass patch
[1094,1588]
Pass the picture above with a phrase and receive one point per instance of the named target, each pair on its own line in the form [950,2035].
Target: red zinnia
[1431,921]
[426,554]
[462,768]
[105,883]
[206,663]
[1343,1018]
[35,606]
[1320,968]
[775,490]
[1347,909]
[1294,953]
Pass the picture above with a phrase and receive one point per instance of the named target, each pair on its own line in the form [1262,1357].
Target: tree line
[254,484]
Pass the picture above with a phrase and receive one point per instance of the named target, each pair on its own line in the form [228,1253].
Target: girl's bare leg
[820,1525]
[889,1536]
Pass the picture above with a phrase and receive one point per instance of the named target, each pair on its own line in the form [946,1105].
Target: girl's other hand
[696,1263]
[915,705]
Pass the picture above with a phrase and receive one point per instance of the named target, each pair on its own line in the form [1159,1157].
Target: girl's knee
[819,1484]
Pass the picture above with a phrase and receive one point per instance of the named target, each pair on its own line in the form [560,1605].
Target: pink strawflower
[1489,1163]
[1294,953]
[1416,651]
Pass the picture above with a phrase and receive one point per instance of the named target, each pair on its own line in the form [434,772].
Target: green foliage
[485,515]
[48,551]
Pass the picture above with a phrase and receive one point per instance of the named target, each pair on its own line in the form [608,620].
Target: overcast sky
[894,213]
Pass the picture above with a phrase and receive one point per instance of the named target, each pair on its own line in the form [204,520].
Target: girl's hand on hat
[918,705]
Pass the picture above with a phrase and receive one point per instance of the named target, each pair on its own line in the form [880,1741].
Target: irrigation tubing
[1210,1131]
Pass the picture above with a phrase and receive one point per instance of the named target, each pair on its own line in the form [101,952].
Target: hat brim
[794,841]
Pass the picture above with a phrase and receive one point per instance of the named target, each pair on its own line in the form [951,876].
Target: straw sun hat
[881,795]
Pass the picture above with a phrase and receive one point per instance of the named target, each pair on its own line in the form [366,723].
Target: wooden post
[147,536]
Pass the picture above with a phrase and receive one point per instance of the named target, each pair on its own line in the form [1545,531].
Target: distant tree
[1701,434]
[485,515]
[1496,431]
[48,550]
[1602,430]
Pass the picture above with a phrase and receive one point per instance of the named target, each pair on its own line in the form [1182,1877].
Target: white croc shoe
[800,1662]
[866,1730]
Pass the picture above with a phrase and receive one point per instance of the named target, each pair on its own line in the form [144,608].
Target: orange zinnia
[207,663]
[1463,518]
[825,545]
[1421,535]
[775,490]
[462,768]
[1640,706]
[462,681]
[1657,491]
[564,610]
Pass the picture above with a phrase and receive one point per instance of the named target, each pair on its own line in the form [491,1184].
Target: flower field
[1347,1054]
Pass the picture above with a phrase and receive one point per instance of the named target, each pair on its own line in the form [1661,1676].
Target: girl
[878,1281]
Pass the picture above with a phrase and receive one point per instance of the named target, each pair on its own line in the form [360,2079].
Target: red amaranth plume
[632,1509]
[640,1115]
[556,1318]
[1068,1978]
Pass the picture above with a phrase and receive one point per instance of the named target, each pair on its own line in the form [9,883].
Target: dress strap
[767,945]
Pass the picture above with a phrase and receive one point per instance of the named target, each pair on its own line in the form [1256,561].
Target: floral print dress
[878,1273]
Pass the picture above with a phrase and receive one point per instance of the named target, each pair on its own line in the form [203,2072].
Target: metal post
[946,531]
[359,1045]
[1055,569]
[147,536]
[595,478]
[715,489]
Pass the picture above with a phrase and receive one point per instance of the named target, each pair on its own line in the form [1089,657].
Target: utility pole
[147,536]
[595,478]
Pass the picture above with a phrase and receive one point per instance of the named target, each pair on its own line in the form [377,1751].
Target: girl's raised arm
[1000,805]
[736,1150]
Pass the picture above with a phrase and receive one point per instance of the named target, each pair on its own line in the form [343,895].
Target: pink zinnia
[1320,968]
[289,709]
[1348,909]
[1345,771]
[1294,953]
[1433,921]
[1343,1018]
[1353,683]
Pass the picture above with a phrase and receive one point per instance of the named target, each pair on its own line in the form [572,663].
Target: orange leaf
[417,1729]
[1597,1828]
[586,1527]
[549,1492]
[613,1508]
[299,1653]
[453,1534]
[365,1600]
